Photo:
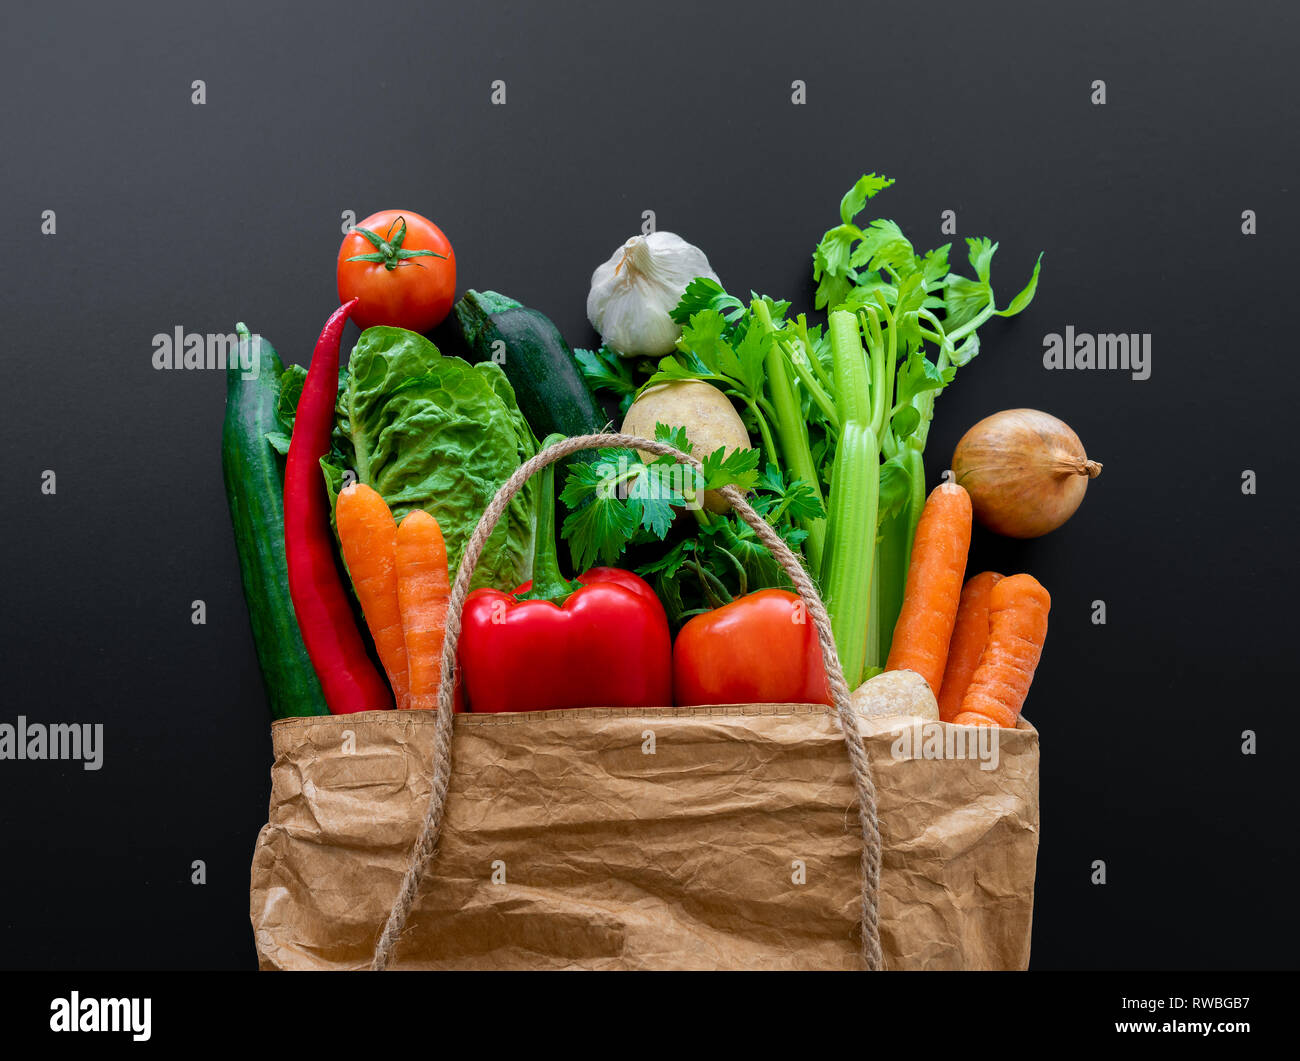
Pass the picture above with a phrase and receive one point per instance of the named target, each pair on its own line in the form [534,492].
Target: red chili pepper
[759,649]
[347,676]
[599,641]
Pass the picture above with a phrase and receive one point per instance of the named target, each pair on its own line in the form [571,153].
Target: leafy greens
[844,413]
[432,432]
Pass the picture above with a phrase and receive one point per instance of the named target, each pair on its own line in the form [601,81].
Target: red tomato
[760,649]
[407,273]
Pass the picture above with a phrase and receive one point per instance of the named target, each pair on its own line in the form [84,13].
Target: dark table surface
[170,214]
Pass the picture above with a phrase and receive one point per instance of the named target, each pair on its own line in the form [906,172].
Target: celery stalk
[891,578]
[916,501]
[850,547]
[849,363]
[875,661]
[792,433]
[855,497]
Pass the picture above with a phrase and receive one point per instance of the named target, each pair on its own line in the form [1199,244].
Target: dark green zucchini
[550,390]
[254,477]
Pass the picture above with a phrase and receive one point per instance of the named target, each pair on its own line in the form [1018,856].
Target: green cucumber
[255,492]
[551,391]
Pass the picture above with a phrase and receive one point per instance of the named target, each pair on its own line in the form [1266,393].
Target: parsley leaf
[671,561]
[751,352]
[586,480]
[703,293]
[618,499]
[703,337]
[657,495]
[739,468]
[675,437]
[606,370]
[684,365]
[795,498]
[600,530]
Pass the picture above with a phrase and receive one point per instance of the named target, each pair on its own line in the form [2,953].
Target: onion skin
[1025,470]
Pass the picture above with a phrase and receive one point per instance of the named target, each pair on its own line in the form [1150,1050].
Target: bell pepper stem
[548,583]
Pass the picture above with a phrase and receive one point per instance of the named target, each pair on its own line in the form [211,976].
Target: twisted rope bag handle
[427,841]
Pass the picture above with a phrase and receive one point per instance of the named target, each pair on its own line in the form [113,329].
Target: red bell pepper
[348,679]
[601,640]
[759,649]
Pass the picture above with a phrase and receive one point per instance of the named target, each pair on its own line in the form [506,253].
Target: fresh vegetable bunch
[842,414]
[824,427]
[622,502]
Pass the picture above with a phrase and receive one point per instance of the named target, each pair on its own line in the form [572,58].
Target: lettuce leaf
[437,433]
[433,432]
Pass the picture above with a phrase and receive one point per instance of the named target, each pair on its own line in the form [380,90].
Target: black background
[174,214]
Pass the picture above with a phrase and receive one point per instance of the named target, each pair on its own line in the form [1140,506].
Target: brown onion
[1025,471]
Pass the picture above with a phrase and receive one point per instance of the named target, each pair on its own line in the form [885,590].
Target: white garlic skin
[635,290]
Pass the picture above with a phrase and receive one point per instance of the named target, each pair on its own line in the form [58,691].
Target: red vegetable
[402,269]
[599,641]
[347,677]
[759,649]
[606,645]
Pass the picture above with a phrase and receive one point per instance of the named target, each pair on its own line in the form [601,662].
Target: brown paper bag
[730,837]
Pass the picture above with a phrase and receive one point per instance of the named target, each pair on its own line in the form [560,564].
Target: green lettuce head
[437,433]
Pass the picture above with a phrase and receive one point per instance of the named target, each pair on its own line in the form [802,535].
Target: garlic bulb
[633,293]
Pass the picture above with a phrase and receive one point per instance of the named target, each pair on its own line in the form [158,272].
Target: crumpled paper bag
[673,838]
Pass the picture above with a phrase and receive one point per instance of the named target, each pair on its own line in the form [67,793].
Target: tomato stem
[389,252]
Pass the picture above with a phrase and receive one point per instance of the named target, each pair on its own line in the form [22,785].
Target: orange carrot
[933,590]
[368,534]
[1018,608]
[422,591]
[969,636]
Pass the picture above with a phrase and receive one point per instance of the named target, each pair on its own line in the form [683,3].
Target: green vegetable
[843,420]
[435,432]
[855,495]
[618,496]
[606,370]
[791,429]
[724,559]
[898,296]
[733,357]
[550,389]
[621,501]
[704,412]
[254,479]
[831,413]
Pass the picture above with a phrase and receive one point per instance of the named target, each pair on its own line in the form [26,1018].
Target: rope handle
[427,840]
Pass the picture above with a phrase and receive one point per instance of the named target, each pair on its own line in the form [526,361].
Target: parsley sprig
[619,497]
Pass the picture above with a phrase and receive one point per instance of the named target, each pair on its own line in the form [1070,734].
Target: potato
[896,693]
[710,420]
